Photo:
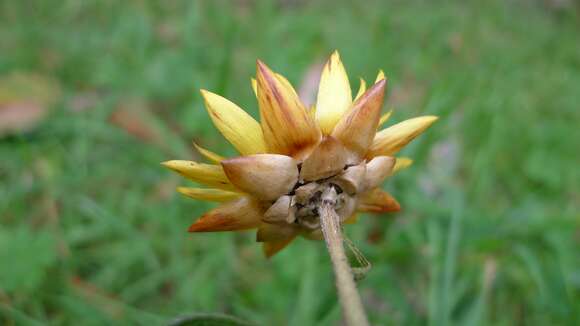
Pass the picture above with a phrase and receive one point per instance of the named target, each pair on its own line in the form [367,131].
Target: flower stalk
[352,308]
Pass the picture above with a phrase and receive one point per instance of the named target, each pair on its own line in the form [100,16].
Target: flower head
[289,158]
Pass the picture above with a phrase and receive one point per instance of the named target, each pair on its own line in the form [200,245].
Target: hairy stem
[352,308]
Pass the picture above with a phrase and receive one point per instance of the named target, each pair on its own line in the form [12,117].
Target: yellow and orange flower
[294,153]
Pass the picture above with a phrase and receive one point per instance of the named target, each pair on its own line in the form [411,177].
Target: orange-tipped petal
[401,164]
[391,140]
[377,170]
[216,158]
[265,176]
[207,174]
[358,127]
[287,126]
[274,247]
[334,94]
[326,160]
[208,194]
[361,89]
[275,232]
[241,214]
[238,127]
[378,201]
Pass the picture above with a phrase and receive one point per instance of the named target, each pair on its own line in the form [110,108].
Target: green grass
[92,233]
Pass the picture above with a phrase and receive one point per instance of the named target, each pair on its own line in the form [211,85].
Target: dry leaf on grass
[25,100]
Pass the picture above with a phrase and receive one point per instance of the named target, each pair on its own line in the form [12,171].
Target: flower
[294,153]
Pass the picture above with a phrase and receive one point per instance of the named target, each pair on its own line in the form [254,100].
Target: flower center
[300,206]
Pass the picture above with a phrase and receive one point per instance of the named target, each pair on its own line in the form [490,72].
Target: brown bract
[264,176]
[358,126]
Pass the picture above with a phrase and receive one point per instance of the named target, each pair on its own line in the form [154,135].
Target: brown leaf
[25,100]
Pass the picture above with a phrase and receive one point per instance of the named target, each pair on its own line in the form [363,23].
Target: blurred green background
[94,94]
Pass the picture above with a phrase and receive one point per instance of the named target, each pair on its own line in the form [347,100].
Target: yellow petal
[334,94]
[238,127]
[361,89]
[380,76]
[288,127]
[402,163]
[274,247]
[287,85]
[326,160]
[216,158]
[358,126]
[265,176]
[377,170]
[275,232]
[208,194]
[207,174]
[255,86]
[391,140]
[385,117]
[240,214]
[377,201]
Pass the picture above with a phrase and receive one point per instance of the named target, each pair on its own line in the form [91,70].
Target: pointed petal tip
[261,66]
[205,94]
[392,139]
[380,76]
[171,164]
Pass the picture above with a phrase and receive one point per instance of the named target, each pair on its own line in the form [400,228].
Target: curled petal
[275,232]
[327,159]
[273,247]
[385,117]
[238,127]
[358,127]
[334,94]
[207,174]
[241,214]
[352,179]
[402,163]
[265,176]
[377,201]
[209,194]
[391,140]
[361,89]
[288,127]
[377,170]
[280,211]
[216,158]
